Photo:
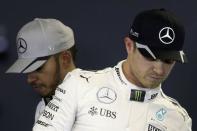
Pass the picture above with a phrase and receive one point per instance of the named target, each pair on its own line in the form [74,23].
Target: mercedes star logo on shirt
[106,95]
[166,35]
[21,45]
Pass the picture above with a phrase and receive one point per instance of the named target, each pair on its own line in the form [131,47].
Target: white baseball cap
[36,40]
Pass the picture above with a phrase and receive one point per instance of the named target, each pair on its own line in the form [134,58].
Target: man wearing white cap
[46,51]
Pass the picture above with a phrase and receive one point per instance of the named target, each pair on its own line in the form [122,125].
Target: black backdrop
[99,26]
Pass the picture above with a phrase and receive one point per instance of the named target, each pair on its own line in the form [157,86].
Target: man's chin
[153,85]
[43,92]
[46,94]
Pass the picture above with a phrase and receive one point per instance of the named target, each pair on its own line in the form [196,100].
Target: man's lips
[157,77]
[39,89]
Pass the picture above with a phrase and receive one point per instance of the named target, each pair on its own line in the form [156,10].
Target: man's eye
[168,61]
[150,58]
[39,69]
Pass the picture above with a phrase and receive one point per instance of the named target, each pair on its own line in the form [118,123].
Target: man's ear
[66,58]
[129,44]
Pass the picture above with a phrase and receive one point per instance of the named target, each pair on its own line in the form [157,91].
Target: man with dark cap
[127,97]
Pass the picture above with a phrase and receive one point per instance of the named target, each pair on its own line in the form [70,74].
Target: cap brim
[178,56]
[25,65]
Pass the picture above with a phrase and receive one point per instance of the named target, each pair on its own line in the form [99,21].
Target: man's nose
[31,77]
[159,67]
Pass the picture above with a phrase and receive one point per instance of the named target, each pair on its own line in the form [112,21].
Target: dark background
[99,26]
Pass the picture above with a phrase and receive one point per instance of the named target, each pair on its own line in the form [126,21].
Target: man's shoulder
[173,105]
[41,102]
[80,74]
[79,82]
[39,109]
[80,79]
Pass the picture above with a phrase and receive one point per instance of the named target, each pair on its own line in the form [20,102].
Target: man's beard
[57,80]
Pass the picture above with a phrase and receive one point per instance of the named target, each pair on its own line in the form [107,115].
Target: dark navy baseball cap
[158,34]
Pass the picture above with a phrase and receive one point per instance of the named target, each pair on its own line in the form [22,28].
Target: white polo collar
[137,93]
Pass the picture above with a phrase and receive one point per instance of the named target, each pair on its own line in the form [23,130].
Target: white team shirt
[106,101]
[39,109]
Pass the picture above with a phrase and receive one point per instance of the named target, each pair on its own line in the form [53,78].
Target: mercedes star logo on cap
[106,95]
[166,35]
[21,45]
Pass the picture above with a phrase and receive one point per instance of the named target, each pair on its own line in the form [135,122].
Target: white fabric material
[100,101]
[39,109]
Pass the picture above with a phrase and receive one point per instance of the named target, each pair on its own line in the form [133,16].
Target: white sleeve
[187,126]
[39,109]
[59,114]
